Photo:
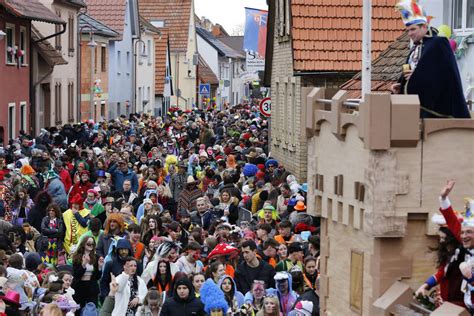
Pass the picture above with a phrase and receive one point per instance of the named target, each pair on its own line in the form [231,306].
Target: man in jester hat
[431,71]
[465,233]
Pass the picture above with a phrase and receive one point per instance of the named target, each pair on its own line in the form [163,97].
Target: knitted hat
[27,170]
[77,199]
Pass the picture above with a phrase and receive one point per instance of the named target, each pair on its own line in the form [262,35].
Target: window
[157,23]
[102,109]
[283,18]
[57,102]
[103,59]
[119,61]
[11,120]
[70,25]
[10,47]
[148,47]
[356,283]
[70,101]
[463,15]
[57,29]
[23,116]
[95,60]
[23,45]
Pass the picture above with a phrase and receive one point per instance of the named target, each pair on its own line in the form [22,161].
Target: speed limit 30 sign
[266,107]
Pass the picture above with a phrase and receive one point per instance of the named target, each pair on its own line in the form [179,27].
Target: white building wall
[62,74]
[145,93]
[120,72]
[209,54]
[441,10]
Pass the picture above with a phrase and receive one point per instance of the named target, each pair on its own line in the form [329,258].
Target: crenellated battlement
[374,174]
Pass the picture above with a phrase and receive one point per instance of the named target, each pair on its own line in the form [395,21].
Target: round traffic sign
[266,107]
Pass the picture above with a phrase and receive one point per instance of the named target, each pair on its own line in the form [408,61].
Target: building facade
[94,68]
[177,24]
[376,189]
[310,47]
[63,83]
[122,17]
[19,44]
[145,68]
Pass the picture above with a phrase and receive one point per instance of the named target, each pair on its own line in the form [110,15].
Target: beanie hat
[27,170]
[250,170]
[32,261]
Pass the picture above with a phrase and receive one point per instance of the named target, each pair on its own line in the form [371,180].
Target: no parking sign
[266,107]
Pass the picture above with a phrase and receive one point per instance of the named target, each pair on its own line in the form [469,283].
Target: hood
[290,282]
[188,284]
[123,243]
[148,192]
[234,286]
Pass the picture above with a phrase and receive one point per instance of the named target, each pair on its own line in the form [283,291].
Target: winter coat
[238,298]
[115,266]
[53,233]
[119,177]
[174,305]
[57,191]
[122,297]
[177,183]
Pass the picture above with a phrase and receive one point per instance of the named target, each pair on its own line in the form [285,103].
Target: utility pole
[366,47]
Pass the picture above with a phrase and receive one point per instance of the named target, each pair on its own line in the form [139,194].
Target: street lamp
[2,35]
[143,54]
[92,45]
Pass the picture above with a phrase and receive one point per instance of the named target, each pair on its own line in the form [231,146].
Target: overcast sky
[228,13]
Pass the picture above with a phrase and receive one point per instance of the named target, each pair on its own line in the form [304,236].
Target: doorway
[46,104]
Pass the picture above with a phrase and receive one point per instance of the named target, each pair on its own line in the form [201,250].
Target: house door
[46,104]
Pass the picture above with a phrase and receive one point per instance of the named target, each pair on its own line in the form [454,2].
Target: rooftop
[327,34]
[234,42]
[386,69]
[222,48]
[46,50]
[174,14]
[31,10]
[109,12]
[205,73]
[97,26]
[161,43]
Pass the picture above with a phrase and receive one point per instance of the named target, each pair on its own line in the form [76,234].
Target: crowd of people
[185,214]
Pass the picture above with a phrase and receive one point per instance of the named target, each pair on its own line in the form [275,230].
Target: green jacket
[108,306]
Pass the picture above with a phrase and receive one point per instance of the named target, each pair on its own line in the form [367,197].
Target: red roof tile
[160,60]
[109,12]
[175,15]
[327,34]
[205,73]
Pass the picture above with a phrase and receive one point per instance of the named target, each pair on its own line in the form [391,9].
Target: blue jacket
[119,177]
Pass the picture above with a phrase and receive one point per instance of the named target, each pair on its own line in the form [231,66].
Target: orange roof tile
[175,15]
[205,73]
[161,43]
[327,34]
[109,12]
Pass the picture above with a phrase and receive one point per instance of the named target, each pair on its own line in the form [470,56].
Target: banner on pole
[255,38]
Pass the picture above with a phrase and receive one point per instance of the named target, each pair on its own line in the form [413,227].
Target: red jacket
[66,179]
[450,285]
[81,189]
